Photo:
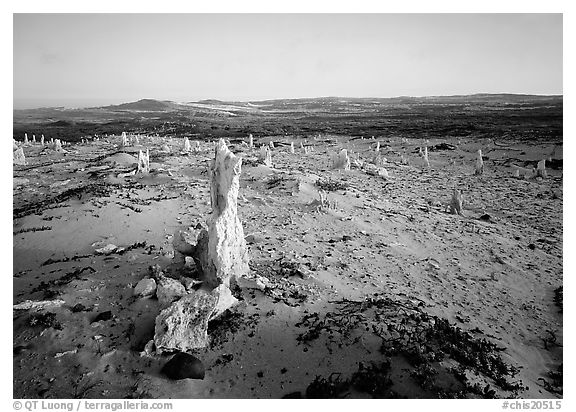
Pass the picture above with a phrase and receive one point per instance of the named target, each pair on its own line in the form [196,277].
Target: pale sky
[80,60]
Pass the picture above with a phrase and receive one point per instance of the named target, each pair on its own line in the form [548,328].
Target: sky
[78,60]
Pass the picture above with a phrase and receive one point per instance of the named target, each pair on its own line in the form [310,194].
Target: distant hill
[147,105]
[472,98]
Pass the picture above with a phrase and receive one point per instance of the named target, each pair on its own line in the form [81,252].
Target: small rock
[225,300]
[169,290]
[184,366]
[79,308]
[148,349]
[189,283]
[146,287]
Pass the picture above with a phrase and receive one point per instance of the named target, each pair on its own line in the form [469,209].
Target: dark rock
[79,308]
[103,316]
[184,366]
[485,217]
[532,246]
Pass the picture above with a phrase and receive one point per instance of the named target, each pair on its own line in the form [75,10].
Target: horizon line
[288,98]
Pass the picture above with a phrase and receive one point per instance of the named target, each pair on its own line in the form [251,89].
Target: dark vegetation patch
[423,340]
[282,276]
[276,180]
[330,185]
[559,298]
[64,280]
[44,320]
[231,322]
[94,189]
[555,381]
[32,229]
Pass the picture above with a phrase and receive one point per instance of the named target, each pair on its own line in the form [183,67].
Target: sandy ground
[493,276]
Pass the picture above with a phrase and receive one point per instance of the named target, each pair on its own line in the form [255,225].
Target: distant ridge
[153,105]
[144,105]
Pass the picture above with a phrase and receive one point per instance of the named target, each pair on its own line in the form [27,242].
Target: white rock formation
[37,305]
[221,257]
[137,139]
[57,146]
[250,141]
[51,140]
[124,142]
[266,155]
[357,161]
[377,146]
[183,326]
[143,162]
[541,169]
[555,151]
[456,202]
[292,147]
[301,145]
[18,157]
[375,170]
[379,160]
[196,146]
[226,254]
[187,148]
[14,144]
[479,164]
[271,144]
[425,156]
[404,160]
[33,139]
[341,160]
[516,172]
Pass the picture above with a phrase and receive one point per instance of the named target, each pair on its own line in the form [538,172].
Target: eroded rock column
[222,251]
[341,160]
[221,256]
[479,164]
[187,148]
